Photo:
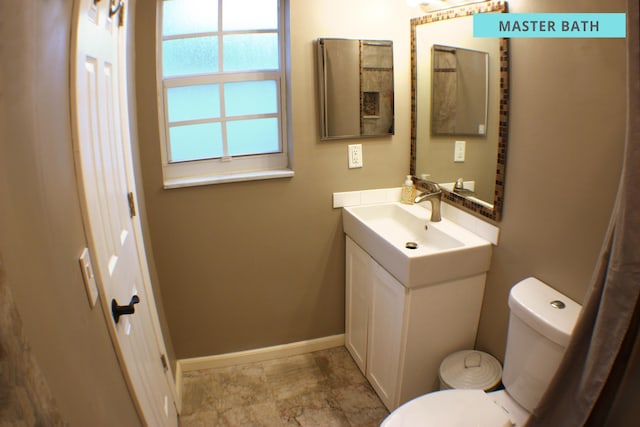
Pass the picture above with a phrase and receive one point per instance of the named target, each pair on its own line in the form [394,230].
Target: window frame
[226,169]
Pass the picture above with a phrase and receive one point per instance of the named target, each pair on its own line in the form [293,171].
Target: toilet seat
[449,408]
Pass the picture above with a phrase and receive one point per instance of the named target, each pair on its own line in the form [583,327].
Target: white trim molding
[253,356]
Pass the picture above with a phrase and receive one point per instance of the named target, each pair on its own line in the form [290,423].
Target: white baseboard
[252,356]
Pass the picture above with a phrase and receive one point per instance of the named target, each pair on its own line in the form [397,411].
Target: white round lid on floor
[449,408]
[470,369]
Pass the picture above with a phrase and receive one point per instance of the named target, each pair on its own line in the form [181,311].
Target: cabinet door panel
[358,282]
[385,335]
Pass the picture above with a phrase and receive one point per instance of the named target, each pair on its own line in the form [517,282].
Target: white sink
[445,251]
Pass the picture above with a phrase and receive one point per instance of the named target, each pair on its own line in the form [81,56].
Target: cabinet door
[358,282]
[386,320]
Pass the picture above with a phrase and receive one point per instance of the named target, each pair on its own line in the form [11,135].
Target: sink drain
[411,245]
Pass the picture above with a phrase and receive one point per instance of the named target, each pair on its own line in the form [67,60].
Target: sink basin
[394,234]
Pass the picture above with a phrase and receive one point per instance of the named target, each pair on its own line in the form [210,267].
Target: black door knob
[120,310]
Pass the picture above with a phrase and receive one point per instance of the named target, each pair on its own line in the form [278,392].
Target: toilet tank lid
[534,302]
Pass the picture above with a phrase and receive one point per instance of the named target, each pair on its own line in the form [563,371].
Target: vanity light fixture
[427,5]
[432,5]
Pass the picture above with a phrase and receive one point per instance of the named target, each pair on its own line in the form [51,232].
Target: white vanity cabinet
[386,317]
[357,297]
[374,319]
[398,336]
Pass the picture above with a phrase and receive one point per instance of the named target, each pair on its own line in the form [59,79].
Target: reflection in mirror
[355,78]
[459,88]
[469,168]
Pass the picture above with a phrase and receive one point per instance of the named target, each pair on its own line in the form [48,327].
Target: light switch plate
[355,156]
[89,277]
[459,151]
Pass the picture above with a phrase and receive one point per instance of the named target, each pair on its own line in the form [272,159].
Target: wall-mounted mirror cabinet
[459,111]
[355,80]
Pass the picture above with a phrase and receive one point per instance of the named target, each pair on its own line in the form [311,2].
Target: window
[223,91]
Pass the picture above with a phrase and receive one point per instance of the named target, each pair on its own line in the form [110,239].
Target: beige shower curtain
[598,382]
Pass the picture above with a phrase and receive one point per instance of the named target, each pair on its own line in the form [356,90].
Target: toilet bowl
[540,325]
[459,408]
[452,408]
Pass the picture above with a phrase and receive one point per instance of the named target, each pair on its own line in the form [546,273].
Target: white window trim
[236,169]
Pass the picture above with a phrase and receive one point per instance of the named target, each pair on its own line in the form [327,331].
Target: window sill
[223,179]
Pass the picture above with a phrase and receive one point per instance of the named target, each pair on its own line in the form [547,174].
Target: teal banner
[550,25]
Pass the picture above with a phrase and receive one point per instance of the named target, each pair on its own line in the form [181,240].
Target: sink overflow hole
[411,245]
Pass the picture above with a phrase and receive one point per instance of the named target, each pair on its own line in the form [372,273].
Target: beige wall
[254,264]
[248,265]
[274,272]
[41,233]
[566,136]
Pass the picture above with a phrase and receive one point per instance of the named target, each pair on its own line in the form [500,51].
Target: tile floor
[320,389]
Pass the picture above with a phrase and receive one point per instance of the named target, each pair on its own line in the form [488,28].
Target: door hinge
[117,9]
[121,19]
[132,204]
[163,360]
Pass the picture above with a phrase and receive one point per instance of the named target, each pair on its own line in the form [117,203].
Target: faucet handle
[459,185]
[431,186]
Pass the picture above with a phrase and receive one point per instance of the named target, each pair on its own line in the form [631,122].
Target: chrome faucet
[433,194]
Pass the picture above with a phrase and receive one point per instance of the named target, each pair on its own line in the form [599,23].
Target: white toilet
[540,325]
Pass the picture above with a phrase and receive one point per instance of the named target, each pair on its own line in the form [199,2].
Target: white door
[102,149]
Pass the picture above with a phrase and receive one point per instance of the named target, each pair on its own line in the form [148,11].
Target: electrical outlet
[355,156]
[459,151]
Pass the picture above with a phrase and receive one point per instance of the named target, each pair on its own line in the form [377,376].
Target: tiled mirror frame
[494,214]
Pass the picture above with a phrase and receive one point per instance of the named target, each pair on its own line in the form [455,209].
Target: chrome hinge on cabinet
[132,204]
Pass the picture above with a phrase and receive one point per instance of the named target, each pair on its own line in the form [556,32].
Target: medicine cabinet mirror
[446,148]
[459,89]
[355,80]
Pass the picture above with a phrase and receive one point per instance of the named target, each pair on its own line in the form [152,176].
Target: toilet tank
[540,325]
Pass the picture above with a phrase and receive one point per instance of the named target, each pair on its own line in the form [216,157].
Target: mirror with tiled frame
[486,154]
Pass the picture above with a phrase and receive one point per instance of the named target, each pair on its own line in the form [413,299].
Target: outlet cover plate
[459,151]
[355,156]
